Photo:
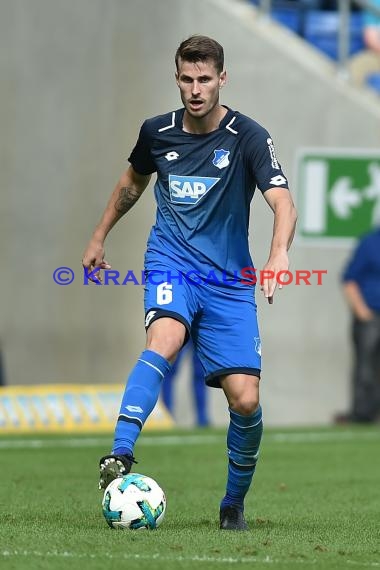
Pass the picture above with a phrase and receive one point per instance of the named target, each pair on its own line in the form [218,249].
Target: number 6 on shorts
[164,293]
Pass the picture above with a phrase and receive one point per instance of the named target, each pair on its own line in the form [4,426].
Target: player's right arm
[126,193]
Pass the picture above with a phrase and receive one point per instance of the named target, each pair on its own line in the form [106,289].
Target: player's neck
[206,124]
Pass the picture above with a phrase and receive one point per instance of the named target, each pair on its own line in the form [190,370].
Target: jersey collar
[223,123]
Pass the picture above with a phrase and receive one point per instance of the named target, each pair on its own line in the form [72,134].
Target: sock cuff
[246,421]
[156,361]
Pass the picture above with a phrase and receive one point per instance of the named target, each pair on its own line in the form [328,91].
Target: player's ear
[222,79]
[176,78]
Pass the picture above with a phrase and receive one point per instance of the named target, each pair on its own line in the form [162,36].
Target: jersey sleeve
[261,160]
[141,157]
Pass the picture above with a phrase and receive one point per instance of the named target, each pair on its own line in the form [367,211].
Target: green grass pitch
[315,503]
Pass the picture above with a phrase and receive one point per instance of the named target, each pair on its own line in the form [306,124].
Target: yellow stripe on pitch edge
[67,408]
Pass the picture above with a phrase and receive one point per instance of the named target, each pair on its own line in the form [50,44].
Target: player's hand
[365,314]
[93,260]
[269,275]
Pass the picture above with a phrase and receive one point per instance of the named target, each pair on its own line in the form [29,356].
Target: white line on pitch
[158,557]
[195,439]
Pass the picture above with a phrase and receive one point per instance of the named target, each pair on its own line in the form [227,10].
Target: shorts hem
[213,380]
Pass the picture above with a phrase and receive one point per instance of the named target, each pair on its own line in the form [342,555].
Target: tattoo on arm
[127,198]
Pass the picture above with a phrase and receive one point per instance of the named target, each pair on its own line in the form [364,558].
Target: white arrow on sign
[343,197]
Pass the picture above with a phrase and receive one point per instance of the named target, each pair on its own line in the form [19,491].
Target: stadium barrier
[67,408]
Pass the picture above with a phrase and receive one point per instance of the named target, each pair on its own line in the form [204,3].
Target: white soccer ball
[135,502]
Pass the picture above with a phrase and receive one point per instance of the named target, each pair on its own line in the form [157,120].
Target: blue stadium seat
[373,81]
[290,17]
[321,30]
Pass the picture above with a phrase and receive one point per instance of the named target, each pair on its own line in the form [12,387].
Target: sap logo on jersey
[189,189]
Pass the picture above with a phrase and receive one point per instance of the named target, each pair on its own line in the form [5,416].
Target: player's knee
[245,406]
[166,336]
[167,346]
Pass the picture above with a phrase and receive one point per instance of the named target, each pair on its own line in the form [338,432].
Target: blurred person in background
[197,381]
[371,36]
[371,29]
[361,286]
[364,67]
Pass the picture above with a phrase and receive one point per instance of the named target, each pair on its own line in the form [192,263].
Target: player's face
[199,84]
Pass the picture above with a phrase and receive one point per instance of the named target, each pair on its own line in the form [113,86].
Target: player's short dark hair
[200,48]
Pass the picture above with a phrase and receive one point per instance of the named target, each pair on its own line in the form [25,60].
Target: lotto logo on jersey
[189,189]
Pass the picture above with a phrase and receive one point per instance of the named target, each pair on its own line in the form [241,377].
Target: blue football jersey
[204,187]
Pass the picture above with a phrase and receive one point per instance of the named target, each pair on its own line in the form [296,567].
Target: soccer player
[209,160]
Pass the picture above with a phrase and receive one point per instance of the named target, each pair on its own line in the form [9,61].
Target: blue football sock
[243,442]
[140,397]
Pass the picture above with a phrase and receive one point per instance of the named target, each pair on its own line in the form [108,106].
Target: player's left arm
[284,225]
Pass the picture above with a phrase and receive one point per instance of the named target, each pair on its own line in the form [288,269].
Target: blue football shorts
[222,321]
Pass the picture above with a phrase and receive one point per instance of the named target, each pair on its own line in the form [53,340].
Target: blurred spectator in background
[371,29]
[371,34]
[198,385]
[365,66]
[361,285]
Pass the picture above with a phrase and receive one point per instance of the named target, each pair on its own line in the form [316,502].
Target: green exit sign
[338,192]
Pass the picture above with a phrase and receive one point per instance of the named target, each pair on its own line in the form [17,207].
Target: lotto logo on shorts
[189,189]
